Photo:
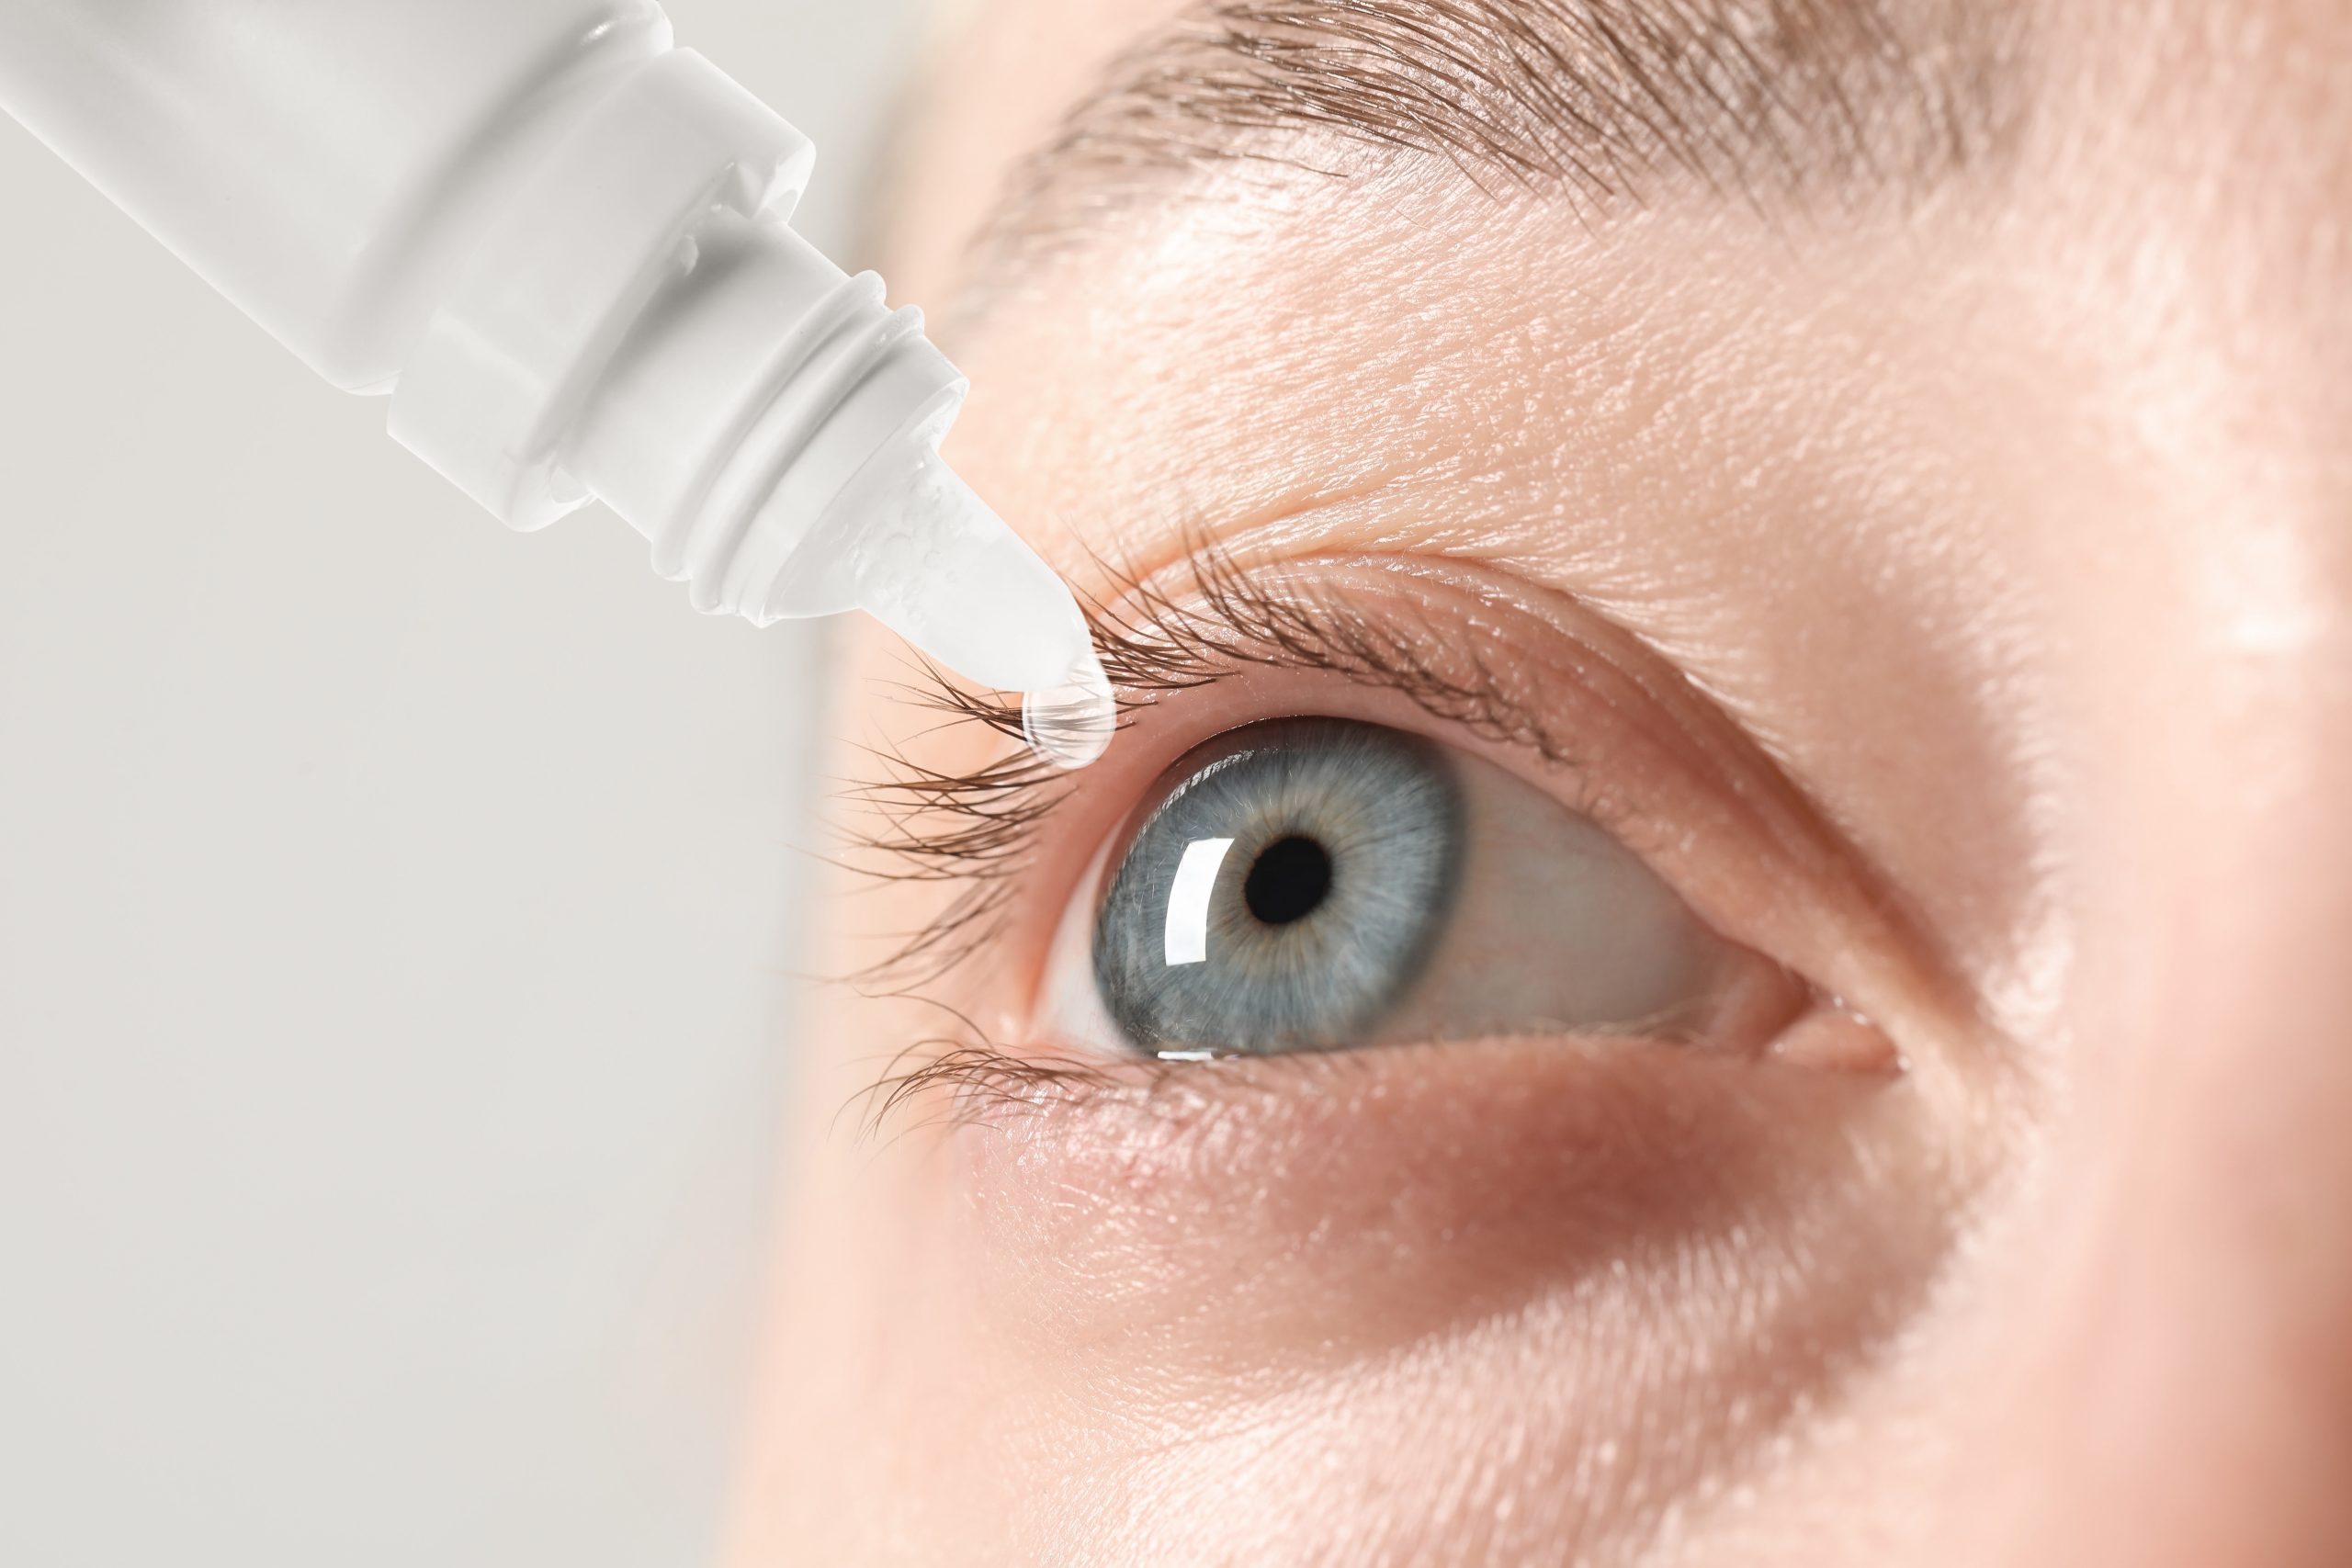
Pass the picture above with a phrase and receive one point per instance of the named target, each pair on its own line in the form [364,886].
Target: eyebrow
[1604,104]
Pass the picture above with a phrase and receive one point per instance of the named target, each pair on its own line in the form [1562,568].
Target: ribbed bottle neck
[758,385]
[590,243]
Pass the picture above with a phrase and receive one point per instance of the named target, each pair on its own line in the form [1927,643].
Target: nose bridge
[2199,1405]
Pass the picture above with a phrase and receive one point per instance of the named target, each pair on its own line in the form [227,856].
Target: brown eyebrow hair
[1602,102]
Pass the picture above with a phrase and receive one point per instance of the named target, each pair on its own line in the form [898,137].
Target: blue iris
[1285,893]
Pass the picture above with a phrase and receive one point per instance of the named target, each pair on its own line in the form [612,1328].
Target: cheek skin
[1619,1253]
[1334,1209]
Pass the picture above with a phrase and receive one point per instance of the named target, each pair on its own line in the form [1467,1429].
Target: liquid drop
[1071,725]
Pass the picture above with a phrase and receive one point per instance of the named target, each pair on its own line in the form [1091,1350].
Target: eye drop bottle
[561,246]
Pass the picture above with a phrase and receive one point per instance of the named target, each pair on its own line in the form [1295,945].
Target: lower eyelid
[1047,1096]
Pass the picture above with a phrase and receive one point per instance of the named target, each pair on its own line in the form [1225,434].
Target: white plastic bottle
[561,246]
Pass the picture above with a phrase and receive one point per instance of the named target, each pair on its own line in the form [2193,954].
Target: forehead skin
[2015,521]
[1002,76]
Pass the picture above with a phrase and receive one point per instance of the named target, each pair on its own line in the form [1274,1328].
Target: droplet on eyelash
[1071,725]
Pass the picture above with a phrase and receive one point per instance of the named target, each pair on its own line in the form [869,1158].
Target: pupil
[1289,883]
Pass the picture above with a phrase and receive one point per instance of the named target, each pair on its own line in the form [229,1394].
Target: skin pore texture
[1887,465]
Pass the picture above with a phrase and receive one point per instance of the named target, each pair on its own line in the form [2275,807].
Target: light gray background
[393,919]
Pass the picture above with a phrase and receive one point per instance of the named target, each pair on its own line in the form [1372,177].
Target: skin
[2004,537]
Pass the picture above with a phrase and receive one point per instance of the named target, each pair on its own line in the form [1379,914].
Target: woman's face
[1719,934]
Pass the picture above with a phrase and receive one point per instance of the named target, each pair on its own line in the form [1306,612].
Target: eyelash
[977,828]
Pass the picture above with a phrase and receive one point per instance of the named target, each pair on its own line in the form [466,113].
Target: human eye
[1369,805]
[1317,884]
